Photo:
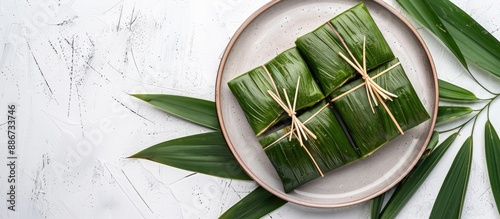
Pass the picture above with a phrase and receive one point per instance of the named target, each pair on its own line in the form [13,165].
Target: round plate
[274,28]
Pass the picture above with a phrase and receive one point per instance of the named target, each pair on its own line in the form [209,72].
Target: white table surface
[68,66]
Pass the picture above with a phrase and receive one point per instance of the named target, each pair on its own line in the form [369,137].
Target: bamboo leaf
[371,130]
[376,206]
[432,144]
[201,112]
[205,153]
[475,42]
[415,178]
[454,93]
[255,205]
[331,151]
[492,150]
[448,113]
[425,15]
[468,38]
[320,48]
[450,200]
[279,75]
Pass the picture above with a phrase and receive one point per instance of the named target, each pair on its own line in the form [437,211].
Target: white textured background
[69,66]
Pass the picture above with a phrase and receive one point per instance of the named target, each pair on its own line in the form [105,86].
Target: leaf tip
[144,97]
[138,96]
[136,156]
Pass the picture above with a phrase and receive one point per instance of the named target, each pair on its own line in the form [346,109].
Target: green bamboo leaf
[320,48]
[475,42]
[255,205]
[450,200]
[201,112]
[425,15]
[205,153]
[279,75]
[331,151]
[371,130]
[432,144]
[415,178]
[448,113]
[376,206]
[454,93]
[492,149]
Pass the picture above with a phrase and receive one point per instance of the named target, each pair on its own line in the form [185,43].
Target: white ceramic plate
[274,28]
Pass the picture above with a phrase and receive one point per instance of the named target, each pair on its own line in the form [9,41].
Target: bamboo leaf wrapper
[251,89]
[320,47]
[370,131]
[330,150]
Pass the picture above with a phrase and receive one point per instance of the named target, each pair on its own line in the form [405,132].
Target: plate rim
[260,182]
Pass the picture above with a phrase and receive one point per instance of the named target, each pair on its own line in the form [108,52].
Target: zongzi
[370,130]
[296,164]
[281,73]
[320,48]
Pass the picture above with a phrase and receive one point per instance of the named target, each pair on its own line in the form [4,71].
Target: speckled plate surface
[274,28]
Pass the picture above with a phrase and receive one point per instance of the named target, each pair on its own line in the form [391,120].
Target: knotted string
[373,91]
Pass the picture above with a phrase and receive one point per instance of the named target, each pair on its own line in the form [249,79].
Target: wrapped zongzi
[252,89]
[370,130]
[320,48]
[297,165]
[327,62]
